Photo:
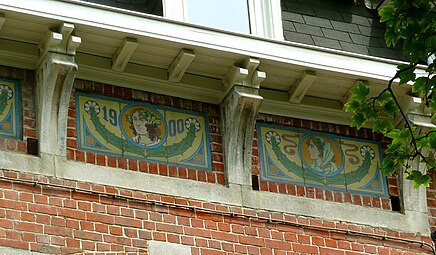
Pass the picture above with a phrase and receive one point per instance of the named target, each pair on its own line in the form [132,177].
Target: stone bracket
[299,89]
[180,64]
[239,111]
[416,111]
[61,41]
[55,73]
[247,76]
[123,54]
[55,78]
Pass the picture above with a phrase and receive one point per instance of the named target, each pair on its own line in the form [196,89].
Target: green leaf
[360,92]
[358,120]
[430,42]
[419,85]
[384,97]
[432,104]
[385,126]
[390,108]
[392,148]
[352,105]
[386,13]
[406,76]
[432,140]
[418,179]
[394,133]
[388,166]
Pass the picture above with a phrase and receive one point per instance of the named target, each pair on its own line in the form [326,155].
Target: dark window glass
[145,6]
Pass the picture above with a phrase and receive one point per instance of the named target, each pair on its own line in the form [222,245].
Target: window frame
[264,16]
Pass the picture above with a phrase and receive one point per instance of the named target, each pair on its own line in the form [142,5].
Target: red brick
[153,168]
[197,232]
[169,228]
[70,213]
[212,252]
[58,231]
[159,236]
[118,240]
[277,244]
[111,161]
[122,163]
[73,243]
[129,222]
[192,174]
[133,165]
[101,160]
[218,235]
[143,166]
[251,240]
[100,218]
[163,169]
[14,244]
[80,156]
[87,235]
[139,243]
[187,240]
[28,237]
[307,249]
[173,171]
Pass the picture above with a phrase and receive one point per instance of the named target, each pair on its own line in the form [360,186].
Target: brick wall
[26,79]
[217,174]
[59,216]
[56,216]
[319,193]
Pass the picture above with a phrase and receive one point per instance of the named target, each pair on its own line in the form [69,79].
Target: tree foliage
[411,23]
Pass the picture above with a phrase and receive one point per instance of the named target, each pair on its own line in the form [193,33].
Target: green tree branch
[412,22]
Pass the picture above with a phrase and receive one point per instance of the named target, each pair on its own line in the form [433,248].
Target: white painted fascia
[246,45]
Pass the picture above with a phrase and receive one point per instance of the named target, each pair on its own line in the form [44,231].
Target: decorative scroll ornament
[193,126]
[351,177]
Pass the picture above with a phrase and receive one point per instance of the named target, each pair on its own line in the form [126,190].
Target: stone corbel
[56,72]
[239,109]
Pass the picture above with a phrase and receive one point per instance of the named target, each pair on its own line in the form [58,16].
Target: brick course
[83,220]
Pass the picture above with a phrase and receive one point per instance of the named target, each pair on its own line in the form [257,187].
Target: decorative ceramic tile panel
[10,111]
[141,131]
[322,160]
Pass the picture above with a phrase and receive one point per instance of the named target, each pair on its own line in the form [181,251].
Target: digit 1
[104,113]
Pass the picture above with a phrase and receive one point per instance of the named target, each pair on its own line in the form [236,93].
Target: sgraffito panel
[10,111]
[308,158]
[142,131]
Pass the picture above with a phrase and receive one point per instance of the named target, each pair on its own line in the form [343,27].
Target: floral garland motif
[354,176]
[189,122]
[365,150]
[92,105]
[4,89]
[272,135]
[193,126]
[6,94]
